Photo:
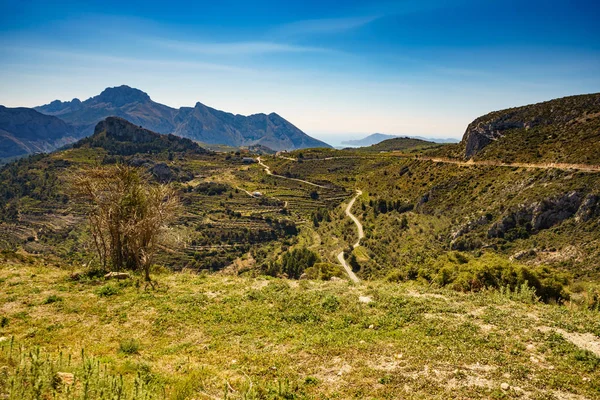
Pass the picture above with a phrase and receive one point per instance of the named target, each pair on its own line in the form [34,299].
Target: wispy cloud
[234,48]
[323,26]
[60,56]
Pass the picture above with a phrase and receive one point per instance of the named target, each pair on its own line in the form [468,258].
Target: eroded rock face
[519,218]
[590,208]
[556,122]
[487,129]
[548,213]
[469,226]
[123,130]
[538,216]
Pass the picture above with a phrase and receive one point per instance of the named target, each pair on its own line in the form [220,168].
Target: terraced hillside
[231,207]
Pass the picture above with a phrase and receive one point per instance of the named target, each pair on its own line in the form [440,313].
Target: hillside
[473,280]
[565,130]
[380,137]
[200,123]
[120,137]
[369,140]
[401,144]
[25,131]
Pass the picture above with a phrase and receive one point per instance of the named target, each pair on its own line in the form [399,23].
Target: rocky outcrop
[538,216]
[162,172]
[120,137]
[563,125]
[550,212]
[469,226]
[482,132]
[590,208]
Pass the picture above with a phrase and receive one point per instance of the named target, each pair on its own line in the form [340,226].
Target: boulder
[65,378]
[523,254]
[162,172]
[117,275]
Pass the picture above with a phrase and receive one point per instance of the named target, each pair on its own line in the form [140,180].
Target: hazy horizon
[334,70]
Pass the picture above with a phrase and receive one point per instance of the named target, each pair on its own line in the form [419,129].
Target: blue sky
[335,69]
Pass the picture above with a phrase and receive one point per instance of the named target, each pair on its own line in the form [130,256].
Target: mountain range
[201,123]
[47,127]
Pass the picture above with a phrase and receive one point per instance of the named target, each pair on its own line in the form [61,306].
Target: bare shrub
[126,215]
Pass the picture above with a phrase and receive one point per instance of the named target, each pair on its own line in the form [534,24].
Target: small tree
[126,215]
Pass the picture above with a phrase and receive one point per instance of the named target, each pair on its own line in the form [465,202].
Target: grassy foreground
[218,336]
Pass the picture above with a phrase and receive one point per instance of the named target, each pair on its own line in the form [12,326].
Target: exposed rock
[523,254]
[590,207]
[504,386]
[365,299]
[550,212]
[65,378]
[469,226]
[543,121]
[538,216]
[521,217]
[141,162]
[120,137]
[117,275]
[484,131]
[200,122]
[162,172]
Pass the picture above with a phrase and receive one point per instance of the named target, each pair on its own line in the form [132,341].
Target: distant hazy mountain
[25,131]
[369,140]
[200,122]
[400,144]
[380,137]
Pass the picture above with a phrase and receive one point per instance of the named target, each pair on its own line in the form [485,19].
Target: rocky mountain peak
[120,95]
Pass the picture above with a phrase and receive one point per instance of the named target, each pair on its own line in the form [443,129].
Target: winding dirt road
[361,235]
[348,211]
[563,166]
[268,171]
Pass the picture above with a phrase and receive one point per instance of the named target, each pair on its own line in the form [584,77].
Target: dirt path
[351,274]
[361,235]
[268,171]
[563,166]
[348,211]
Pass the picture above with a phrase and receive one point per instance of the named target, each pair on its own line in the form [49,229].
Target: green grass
[201,336]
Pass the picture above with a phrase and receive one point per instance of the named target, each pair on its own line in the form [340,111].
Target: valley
[403,269]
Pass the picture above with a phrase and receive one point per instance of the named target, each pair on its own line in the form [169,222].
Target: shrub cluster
[292,264]
[469,274]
